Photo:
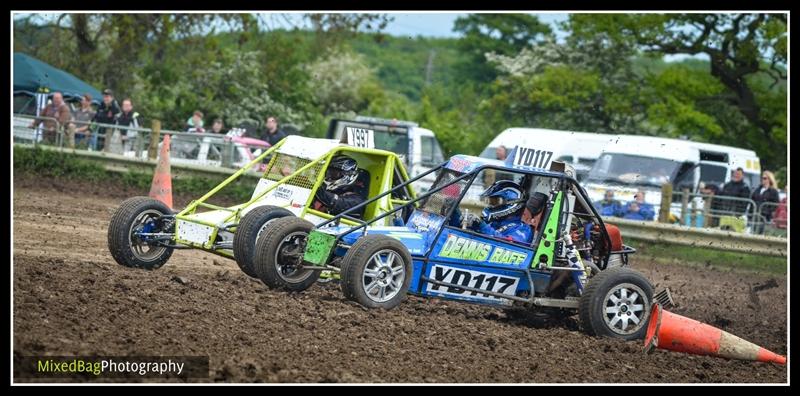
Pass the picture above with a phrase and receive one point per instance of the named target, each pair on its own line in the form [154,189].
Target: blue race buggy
[576,262]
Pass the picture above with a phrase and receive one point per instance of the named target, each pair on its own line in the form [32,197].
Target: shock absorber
[574,259]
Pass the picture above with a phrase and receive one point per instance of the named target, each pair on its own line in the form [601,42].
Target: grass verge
[692,256]
[69,166]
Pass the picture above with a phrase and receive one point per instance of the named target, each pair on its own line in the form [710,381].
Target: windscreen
[633,170]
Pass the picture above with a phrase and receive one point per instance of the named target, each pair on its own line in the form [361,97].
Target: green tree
[743,50]
[504,34]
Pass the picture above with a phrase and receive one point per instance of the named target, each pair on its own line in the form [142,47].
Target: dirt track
[71,298]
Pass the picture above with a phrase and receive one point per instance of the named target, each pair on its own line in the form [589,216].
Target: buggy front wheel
[134,217]
[616,303]
[376,272]
[249,230]
[278,258]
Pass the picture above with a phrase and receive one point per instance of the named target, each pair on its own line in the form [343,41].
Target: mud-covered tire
[285,235]
[247,232]
[393,260]
[125,248]
[608,307]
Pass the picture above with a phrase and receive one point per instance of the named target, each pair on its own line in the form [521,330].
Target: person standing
[195,124]
[638,209]
[273,134]
[56,109]
[217,126]
[106,114]
[608,206]
[766,192]
[736,188]
[81,128]
[127,118]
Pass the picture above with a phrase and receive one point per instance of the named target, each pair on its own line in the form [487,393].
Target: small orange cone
[673,332]
[162,179]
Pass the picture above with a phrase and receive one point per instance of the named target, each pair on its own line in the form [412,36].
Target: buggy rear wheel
[248,232]
[616,303]
[139,215]
[278,257]
[376,272]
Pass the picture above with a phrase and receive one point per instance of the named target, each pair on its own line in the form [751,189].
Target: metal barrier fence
[726,213]
[208,149]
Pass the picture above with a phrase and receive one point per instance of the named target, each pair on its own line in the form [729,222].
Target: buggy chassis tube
[231,178]
[427,194]
[385,193]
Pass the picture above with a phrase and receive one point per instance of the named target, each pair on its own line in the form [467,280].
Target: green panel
[547,244]
[319,247]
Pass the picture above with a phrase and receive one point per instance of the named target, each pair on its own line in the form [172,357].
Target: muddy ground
[71,298]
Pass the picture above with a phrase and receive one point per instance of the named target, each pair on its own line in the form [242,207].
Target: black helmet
[341,174]
[505,198]
[536,203]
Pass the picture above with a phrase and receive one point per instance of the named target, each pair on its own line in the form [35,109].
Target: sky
[441,24]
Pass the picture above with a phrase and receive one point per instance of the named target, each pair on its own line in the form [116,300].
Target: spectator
[56,109]
[273,134]
[712,190]
[83,117]
[106,114]
[217,126]
[767,192]
[609,206]
[127,118]
[490,175]
[781,215]
[501,152]
[195,123]
[738,189]
[638,209]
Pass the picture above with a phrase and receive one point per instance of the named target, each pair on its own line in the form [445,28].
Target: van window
[752,179]
[712,174]
[431,152]
[488,153]
[633,170]
[713,156]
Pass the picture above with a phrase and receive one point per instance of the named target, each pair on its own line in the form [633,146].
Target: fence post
[693,214]
[154,138]
[707,210]
[684,204]
[227,153]
[666,201]
[71,136]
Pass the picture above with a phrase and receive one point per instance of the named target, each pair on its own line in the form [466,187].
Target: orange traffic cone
[162,180]
[673,332]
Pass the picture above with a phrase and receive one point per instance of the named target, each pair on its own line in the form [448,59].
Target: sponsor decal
[282,193]
[485,281]
[465,249]
[424,222]
[505,256]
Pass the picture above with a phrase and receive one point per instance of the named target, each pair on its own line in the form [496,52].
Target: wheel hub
[625,309]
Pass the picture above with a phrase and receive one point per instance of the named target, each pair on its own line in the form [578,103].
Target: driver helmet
[342,173]
[504,198]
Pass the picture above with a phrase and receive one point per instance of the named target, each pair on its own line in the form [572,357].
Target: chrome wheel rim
[383,275]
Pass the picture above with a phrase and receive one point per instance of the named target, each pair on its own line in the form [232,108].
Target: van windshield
[633,170]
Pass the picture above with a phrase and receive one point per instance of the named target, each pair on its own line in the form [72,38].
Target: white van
[579,149]
[630,163]
[416,146]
